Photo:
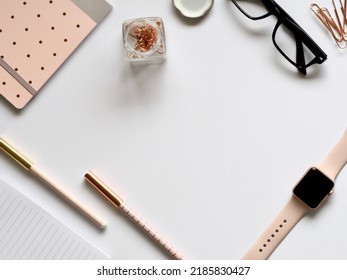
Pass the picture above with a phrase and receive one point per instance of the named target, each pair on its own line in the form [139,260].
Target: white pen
[29,166]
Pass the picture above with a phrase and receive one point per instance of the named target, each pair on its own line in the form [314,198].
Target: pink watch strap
[291,213]
[294,210]
[334,161]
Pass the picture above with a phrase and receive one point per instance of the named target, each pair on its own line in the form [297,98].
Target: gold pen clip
[14,154]
[105,190]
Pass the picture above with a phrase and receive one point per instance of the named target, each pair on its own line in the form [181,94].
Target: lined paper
[28,232]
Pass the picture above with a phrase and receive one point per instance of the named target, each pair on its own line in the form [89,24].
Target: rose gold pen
[29,166]
[108,193]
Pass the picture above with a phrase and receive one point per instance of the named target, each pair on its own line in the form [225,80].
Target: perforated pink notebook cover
[36,37]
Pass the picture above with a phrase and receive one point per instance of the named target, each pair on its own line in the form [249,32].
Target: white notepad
[29,232]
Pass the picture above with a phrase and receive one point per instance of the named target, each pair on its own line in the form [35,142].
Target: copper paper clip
[337,24]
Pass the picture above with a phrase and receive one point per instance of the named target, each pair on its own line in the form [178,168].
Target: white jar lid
[193,8]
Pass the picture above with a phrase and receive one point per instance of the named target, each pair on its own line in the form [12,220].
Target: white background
[206,146]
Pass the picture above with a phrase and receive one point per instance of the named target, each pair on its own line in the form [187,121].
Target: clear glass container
[144,39]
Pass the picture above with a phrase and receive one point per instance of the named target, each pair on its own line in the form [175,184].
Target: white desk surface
[206,146]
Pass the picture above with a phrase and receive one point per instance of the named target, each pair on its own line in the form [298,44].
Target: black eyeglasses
[305,48]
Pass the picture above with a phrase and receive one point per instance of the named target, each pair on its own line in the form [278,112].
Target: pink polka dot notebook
[36,37]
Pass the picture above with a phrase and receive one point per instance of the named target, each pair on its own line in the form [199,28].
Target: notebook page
[28,232]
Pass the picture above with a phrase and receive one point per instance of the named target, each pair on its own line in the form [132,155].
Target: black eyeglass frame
[301,37]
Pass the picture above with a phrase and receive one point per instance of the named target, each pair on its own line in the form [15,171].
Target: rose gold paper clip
[111,196]
[29,166]
[335,26]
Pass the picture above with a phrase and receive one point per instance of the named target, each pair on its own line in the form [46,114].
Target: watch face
[313,188]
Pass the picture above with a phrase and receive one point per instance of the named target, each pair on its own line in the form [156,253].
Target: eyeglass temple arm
[300,56]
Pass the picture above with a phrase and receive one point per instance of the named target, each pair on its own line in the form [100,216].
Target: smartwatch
[308,194]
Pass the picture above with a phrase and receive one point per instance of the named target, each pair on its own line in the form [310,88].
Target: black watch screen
[313,188]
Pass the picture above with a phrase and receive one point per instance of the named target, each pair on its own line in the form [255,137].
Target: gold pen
[29,166]
[112,197]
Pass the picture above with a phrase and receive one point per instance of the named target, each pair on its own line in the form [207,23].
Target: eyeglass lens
[285,41]
[288,37]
